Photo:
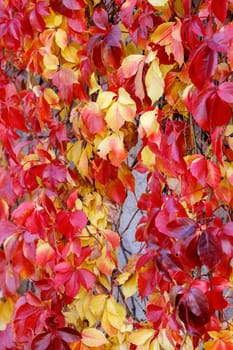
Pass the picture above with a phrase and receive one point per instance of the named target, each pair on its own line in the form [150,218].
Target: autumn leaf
[93,337]
[154,82]
[141,336]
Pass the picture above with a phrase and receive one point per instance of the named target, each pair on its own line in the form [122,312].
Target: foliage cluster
[82,83]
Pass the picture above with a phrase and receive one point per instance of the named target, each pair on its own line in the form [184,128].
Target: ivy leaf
[208,249]
[225,92]
[182,228]
[219,9]
[154,82]
[202,66]
[93,338]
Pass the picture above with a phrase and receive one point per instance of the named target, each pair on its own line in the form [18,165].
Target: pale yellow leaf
[94,86]
[93,337]
[141,336]
[113,118]
[164,342]
[116,313]
[61,38]
[154,82]
[105,99]
[51,61]
[156,3]
[126,105]
[97,305]
[129,66]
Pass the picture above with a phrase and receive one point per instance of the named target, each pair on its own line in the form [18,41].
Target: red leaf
[54,174]
[228,229]
[7,229]
[214,174]
[69,335]
[41,341]
[126,12]
[219,9]
[72,285]
[154,314]
[93,118]
[193,309]
[216,138]
[182,228]
[225,92]
[198,169]
[73,4]
[36,15]
[100,17]
[7,338]
[217,301]
[86,278]
[78,219]
[78,23]
[116,191]
[147,281]
[209,249]
[208,109]
[21,213]
[202,65]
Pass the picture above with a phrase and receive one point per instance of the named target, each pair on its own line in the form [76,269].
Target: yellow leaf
[129,288]
[6,311]
[158,2]
[116,313]
[154,82]
[74,152]
[113,146]
[123,277]
[70,54]
[225,335]
[141,336]
[154,345]
[164,342]
[105,98]
[82,166]
[97,305]
[150,127]
[61,38]
[113,118]
[148,158]
[126,105]
[105,262]
[94,86]
[162,34]
[93,337]
[51,61]
[52,98]
[53,20]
